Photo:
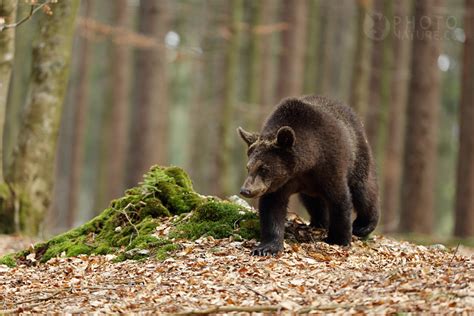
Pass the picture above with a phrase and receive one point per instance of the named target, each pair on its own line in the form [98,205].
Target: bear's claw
[267,249]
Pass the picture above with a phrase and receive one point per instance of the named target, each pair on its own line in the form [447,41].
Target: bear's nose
[245,192]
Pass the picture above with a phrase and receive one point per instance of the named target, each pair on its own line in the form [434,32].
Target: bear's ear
[248,137]
[285,137]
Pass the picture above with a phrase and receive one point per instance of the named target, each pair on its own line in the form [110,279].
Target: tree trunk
[360,75]
[328,27]
[33,163]
[149,139]
[292,55]
[201,141]
[267,95]
[8,14]
[312,63]
[464,216]
[81,100]
[120,100]
[396,118]
[254,74]
[24,37]
[419,167]
[372,118]
[225,130]
[7,47]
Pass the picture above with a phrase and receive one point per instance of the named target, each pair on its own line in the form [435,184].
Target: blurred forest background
[92,93]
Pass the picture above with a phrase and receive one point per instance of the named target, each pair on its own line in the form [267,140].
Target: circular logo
[376,26]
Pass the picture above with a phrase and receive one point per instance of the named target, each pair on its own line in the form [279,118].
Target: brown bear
[315,147]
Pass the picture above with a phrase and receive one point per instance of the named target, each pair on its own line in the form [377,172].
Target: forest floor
[377,276]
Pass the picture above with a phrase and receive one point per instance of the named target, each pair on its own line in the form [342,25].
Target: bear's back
[320,124]
[310,111]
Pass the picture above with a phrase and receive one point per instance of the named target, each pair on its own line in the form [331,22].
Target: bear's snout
[253,187]
[245,192]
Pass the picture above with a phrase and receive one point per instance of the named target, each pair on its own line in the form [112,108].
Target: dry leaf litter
[378,276]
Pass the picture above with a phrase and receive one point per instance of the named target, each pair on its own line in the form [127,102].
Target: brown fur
[315,147]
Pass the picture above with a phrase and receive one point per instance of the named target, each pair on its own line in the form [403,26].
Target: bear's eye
[264,171]
[250,151]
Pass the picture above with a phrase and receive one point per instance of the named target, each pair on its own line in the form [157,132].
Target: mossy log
[127,228]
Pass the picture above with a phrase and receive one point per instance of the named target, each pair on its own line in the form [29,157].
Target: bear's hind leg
[317,209]
[366,204]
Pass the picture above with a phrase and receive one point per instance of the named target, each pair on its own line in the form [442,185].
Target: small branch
[328,307]
[454,254]
[28,17]
[40,299]
[258,293]
[229,309]
[262,309]
[128,219]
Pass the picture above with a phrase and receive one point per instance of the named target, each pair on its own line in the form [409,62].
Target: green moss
[126,227]
[180,177]
[218,219]
[4,191]
[6,210]
[164,251]
[8,260]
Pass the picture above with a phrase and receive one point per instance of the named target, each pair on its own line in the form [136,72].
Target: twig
[128,218]
[328,307]
[262,308]
[454,254]
[8,311]
[41,299]
[228,309]
[258,293]
[29,16]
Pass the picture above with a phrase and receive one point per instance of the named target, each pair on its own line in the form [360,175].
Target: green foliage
[126,228]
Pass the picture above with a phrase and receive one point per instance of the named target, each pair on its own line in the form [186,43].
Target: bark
[419,166]
[339,65]
[396,118]
[7,48]
[81,100]
[360,75]
[34,156]
[372,118]
[328,21]
[255,57]
[149,139]
[464,211]
[292,55]
[201,112]
[225,129]
[24,37]
[267,95]
[120,98]
[342,86]
[312,63]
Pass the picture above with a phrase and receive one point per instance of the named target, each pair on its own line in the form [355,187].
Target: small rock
[237,200]
[438,247]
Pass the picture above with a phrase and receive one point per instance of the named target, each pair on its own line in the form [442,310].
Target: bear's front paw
[267,249]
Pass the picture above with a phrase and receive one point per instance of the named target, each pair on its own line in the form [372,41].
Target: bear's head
[271,161]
